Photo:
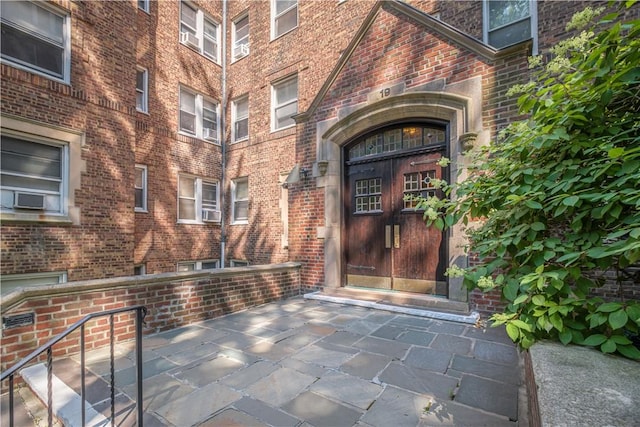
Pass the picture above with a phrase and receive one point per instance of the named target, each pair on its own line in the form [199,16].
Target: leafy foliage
[559,195]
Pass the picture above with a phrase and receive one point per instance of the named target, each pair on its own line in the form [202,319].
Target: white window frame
[143,169]
[235,200]
[73,140]
[58,197]
[200,33]
[143,5]
[199,203]
[237,118]
[196,265]
[275,107]
[240,45]
[275,17]
[65,44]
[200,104]
[533,17]
[144,90]
[37,279]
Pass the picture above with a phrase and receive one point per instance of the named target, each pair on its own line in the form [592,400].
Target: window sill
[140,210]
[242,222]
[36,217]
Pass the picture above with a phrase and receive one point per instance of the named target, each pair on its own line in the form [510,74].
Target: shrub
[559,193]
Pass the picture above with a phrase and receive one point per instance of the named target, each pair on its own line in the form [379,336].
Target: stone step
[66,403]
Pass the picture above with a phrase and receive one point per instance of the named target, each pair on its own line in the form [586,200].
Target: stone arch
[461,109]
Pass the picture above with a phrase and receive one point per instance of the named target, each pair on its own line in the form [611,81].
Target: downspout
[223,115]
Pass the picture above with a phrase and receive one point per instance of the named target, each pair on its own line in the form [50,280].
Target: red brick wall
[99,102]
[173,300]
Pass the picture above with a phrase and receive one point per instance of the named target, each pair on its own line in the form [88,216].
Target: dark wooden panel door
[387,244]
[368,211]
[417,252]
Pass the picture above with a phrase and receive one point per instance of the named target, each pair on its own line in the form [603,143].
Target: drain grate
[17,320]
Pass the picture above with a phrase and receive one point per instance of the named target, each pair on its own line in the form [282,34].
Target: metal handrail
[141,312]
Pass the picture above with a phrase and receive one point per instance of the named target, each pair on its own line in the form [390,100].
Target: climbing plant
[552,206]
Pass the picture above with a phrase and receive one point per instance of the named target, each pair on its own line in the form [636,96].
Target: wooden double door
[388,245]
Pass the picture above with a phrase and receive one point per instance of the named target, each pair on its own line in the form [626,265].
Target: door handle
[387,237]
[396,236]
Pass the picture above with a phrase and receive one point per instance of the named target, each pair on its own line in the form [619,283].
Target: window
[198,31]
[240,200]
[284,100]
[509,22]
[241,38]
[139,270]
[368,195]
[12,282]
[41,170]
[142,90]
[197,200]
[241,118]
[141,188]
[34,176]
[198,116]
[238,263]
[285,17]
[143,5]
[418,184]
[35,36]
[198,265]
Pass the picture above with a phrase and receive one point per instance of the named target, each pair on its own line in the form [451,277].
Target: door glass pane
[411,137]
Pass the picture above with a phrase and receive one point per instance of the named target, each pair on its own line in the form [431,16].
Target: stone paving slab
[308,363]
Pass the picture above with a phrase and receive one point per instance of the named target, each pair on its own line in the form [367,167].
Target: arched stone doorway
[386,243]
[459,111]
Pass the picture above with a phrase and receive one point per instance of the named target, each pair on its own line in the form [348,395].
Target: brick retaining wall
[173,300]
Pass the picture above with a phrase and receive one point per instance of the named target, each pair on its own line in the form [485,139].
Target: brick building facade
[182,135]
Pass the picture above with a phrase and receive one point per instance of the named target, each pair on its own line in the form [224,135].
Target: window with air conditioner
[142,93]
[510,22]
[198,200]
[240,200]
[241,37]
[198,31]
[140,188]
[198,116]
[36,37]
[284,17]
[284,103]
[240,112]
[34,175]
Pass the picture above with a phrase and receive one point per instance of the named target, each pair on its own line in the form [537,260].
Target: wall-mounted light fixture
[304,173]
[323,165]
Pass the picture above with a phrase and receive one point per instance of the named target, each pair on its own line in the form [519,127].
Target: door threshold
[400,302]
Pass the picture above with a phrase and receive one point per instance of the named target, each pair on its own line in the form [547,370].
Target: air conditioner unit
[28,201]
[209,134]
[241,50]
[211,215]
[190,39]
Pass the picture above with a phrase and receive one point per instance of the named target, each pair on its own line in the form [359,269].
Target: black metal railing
[9,374]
